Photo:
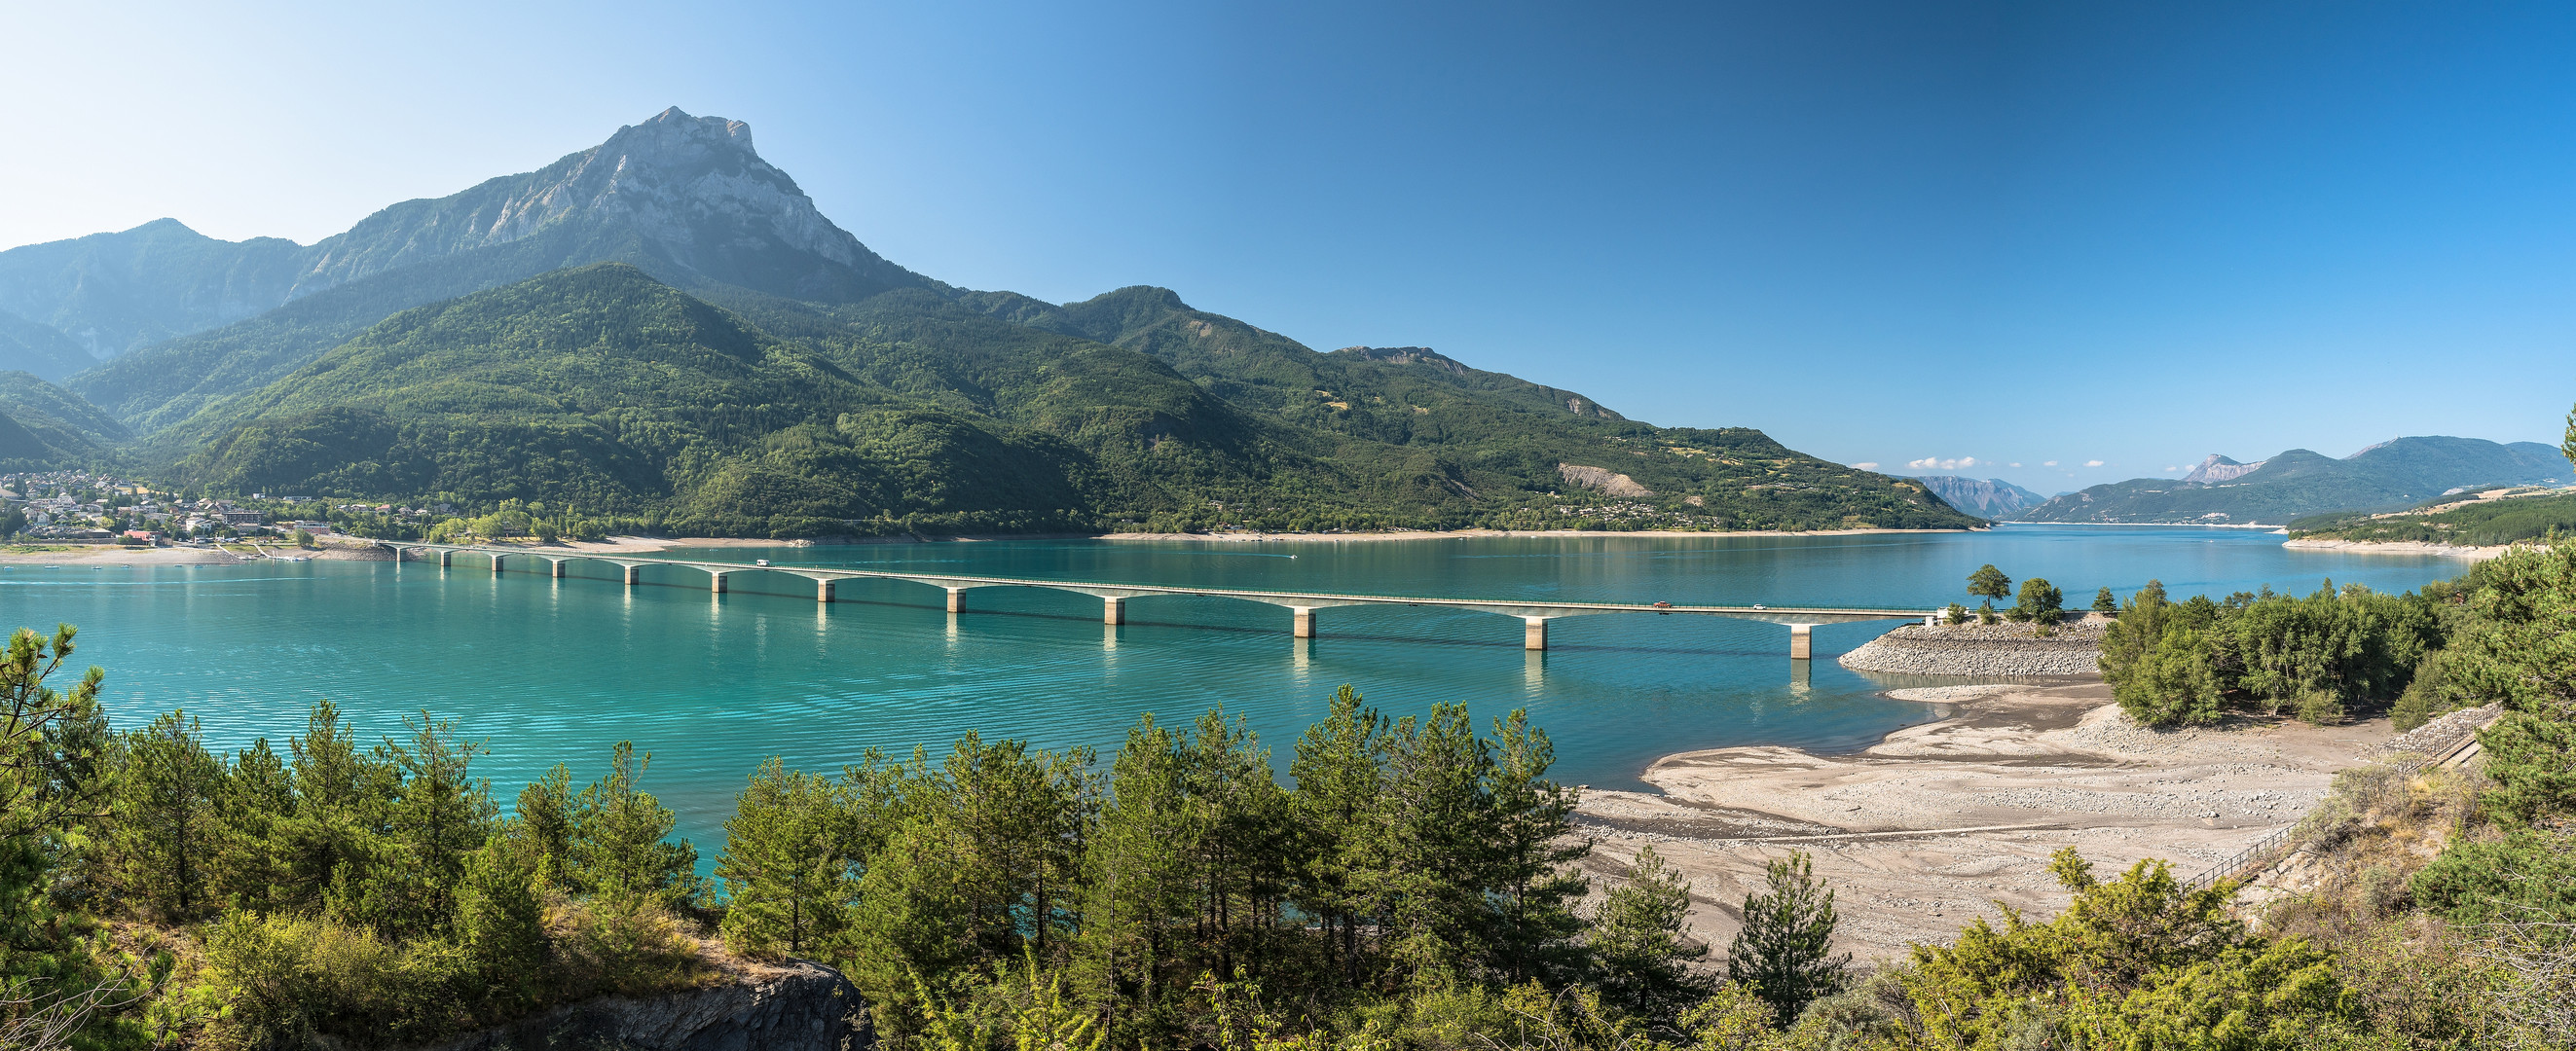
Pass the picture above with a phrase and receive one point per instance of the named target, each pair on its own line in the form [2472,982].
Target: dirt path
[1927,829]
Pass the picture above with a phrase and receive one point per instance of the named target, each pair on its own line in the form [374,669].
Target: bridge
[1533,614]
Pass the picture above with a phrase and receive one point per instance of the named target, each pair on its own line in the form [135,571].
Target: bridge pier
[496,564]
[1113,611]
[446,559]
[1802,642]
[634,575]
[956,600]
[558,567]
[716,582]
[823,590]
[1534,633]
[1305,621]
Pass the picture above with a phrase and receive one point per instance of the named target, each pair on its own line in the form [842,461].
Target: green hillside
[59,429]
[604,390]
[2300,483]
[2483,523]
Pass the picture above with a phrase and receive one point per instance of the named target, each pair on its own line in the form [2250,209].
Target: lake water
[712,685]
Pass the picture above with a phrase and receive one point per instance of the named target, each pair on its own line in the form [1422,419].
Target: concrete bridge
[1534,615]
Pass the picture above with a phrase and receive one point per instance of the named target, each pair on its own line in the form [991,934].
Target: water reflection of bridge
[1534,615]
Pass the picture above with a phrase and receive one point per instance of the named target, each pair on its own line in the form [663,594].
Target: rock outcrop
[1601,479]
[2218,469]
[800,1006]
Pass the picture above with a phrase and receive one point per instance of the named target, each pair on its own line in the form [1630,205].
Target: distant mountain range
[2391,475]
[1990,498]
[663,326]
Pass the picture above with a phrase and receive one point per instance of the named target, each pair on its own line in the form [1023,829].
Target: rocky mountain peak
[2218,469]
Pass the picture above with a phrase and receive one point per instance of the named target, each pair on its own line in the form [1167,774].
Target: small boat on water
[759,561]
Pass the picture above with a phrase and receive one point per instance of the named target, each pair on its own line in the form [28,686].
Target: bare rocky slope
[799,1006]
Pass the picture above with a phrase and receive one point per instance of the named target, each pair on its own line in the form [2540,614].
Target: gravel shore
[1944,821]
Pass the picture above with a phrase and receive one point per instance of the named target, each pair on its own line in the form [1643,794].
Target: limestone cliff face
[798,1007]
[686,191]
[686,198]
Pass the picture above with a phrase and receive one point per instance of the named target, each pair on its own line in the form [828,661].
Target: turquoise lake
[712,685]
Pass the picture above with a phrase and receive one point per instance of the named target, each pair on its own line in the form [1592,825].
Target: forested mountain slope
[1130,409]
[60,429]
[29,347]
[2297,483]
[604,390]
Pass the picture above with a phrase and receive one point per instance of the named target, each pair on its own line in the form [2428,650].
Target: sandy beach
[1938,822]
[111,554]
[2398,547]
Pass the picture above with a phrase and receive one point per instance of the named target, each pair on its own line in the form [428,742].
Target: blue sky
[2107,238]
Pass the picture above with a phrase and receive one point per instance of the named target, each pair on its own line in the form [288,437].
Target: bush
[2425,698]
[287,979]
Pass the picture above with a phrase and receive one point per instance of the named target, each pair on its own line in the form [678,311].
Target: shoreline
[176,555]
[1480,534]
[2399,547]
[1940,821]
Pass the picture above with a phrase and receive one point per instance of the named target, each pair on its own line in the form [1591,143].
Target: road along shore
[1944,822]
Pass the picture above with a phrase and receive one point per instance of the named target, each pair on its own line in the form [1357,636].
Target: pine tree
[1989,583]
[1340,782]
[787,865]
[620,839]
[1784,954]
[1441,836]
[1138,867]
[1641,950]
[2104,602]
[1534,880]
[501,921]
[544,828]
[164,818]
[257,795]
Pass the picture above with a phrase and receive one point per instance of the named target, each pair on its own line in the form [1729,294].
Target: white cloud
[1934,462]
[2048,463]
[1867,465]
[2013,465]
[2173,468]
[2092,463]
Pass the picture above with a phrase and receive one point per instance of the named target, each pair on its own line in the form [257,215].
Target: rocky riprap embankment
[2000,650]
[797,1006]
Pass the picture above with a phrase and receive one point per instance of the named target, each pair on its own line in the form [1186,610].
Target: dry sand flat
[1926,830]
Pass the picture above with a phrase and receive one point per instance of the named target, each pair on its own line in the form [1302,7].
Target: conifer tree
[1340,781]
[1534,882]
[257,794]
[787,865]
[1441,835]
[501,921]
[621,849]
[164,817]
[2105,602]
[544,828]
[1641,951]
[1989,583]
[1138,868]
[1785,954]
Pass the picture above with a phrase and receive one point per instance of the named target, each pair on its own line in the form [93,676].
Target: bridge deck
[1535,611]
